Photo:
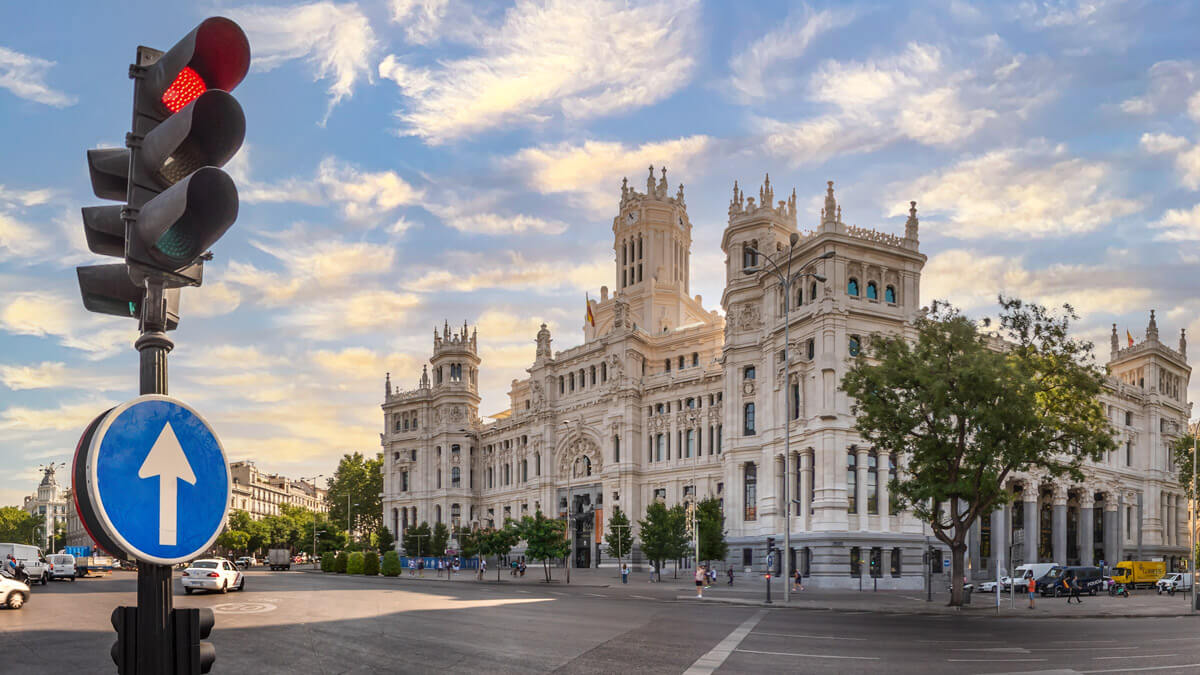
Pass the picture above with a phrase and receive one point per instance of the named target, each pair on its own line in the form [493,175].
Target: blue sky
[409,161]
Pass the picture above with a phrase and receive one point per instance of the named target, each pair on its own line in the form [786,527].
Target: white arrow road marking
[167,461]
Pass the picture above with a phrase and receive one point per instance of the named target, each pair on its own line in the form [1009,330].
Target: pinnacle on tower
[830,205]
[679,194]
[624,188]
[387,385]
[650,182]
[1115,341]
[1152,328]
[1183,341]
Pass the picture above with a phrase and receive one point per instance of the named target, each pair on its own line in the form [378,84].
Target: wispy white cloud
[54,375]
[1036,191]
[760,70]
[421,19]
[362,196]
[46,314]
[549,58]
[25,76]
[465,272]
[588,171]
[350,314]
[1180,224]
[318,269]
[1170,84]
[336,40]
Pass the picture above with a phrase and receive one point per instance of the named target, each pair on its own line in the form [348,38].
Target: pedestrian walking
[797,581]
[1073,585]
[1030,586]
[522,568]
[421,568]
[729,572]
[412,567]
[625,574]
[440,567]
[700,574]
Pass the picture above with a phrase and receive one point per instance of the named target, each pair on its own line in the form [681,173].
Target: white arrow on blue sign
[158,479]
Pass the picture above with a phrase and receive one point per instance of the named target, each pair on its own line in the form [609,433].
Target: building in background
[667,401]
[49,504]
[261,494]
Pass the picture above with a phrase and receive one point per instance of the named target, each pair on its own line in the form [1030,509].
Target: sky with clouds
[410,161]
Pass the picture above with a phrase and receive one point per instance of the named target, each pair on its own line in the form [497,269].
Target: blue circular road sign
[158,480]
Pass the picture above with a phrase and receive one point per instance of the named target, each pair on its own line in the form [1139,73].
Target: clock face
[632,217]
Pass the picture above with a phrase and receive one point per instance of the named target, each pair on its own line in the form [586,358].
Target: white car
[244,562]
[212,574]
[62,566]
[13,593]
[990,586]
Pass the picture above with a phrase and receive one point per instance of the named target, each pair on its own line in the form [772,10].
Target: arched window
[455,477]
[405,424]
[872,291]
[748,420]
[592,374]
[812,349]
[799,295]
[855,345]
[889,294]
[749,259]
[561,385]
[439,479]
[667,365]
[750,492]
[639,247]
[604,371]
[437,510]
[524,470]
[681,362]
[812,292]
[852,287]
[872,484]
[616,448]
[851,481]
[695,358]
[571,381]
[414,422]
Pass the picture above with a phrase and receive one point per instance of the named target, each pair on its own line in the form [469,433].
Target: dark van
[1089,579]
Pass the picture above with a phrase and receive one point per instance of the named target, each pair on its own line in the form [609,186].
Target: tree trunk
[497,568]
[546,567]
[957,553]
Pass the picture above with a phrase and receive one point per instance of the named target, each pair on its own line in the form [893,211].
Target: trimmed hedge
[391,564]
[339,563]
[371,564]
[327,561]
[354,563]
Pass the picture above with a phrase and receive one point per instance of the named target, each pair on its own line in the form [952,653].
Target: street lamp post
[786,282]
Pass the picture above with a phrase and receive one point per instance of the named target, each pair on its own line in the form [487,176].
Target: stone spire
[1152,329]
[791,205]
[543,345]
[736,203]
[387,386]
[830,212]
[1183,341]
[650,182]
[424,384]
[766,196]
[1115,342]
[624,189]
[679,196]
[661,192]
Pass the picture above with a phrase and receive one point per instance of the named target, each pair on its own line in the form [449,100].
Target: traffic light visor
[216,53]
[180,224]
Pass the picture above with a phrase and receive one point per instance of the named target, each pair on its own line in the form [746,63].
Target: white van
[62,566]
[1174,581]
[1039,570]
[31,557]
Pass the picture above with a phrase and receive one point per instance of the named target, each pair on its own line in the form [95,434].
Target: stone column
[1086,523]
[1029,497]
[1164,516]
[1058,525]
[1111,530]
[974,537]
[1140,521]
[1121,518]
[806,486]
[999,540]
[861,488]
[881,480]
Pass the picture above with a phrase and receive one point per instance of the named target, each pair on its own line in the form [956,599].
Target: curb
[537,584]
[988,613]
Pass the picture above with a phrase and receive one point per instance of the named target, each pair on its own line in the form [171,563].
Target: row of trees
[665,533]
[294,528]
[19,527]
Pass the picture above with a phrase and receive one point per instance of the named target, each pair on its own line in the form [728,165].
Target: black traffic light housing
[770,544]
[124,650]
[190,654]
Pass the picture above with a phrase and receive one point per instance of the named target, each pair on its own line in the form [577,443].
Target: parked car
[13,594]
[212,574]
[1039,570]
[1089,579]
[990,585]
[1175,581]
[62,566]
[244,561]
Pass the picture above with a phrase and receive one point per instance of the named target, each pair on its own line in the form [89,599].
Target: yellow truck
[1133,573]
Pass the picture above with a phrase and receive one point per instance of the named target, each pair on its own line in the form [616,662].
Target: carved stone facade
[665,400]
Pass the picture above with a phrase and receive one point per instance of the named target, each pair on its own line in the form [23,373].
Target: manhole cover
[243,608]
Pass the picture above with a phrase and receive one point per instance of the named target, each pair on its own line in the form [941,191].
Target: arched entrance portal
[579,462]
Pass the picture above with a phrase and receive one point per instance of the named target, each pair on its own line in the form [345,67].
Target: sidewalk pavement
[752,591]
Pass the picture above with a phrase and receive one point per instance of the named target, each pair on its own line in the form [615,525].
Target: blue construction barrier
[431,563]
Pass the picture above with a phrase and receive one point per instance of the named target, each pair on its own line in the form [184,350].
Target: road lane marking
[243,608]
[1134,656]
[992,660]
[1143,669]
[521,591]
[811,656]
[642,597]
[555,593]
[1081,649]
[596,595]
[814,637]
[716,656]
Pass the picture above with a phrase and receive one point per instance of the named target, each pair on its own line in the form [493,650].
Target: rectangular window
[897,559]
[851,482]
[748,420]
[748,373]
[747,557]
[872,485]
[856,562]
[795,390]
[691,442]
[658,448]
[1128,418]
[719,428]
[616,448]
[1128,453]
[404,481]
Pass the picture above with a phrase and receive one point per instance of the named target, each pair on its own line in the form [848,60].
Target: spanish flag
[591,318]
[1128,335]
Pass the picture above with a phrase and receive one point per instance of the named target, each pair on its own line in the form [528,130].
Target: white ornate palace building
[666,400]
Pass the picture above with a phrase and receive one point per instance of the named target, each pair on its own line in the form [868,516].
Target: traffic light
[124,650]
[190,655]
[178,202]
[770,544]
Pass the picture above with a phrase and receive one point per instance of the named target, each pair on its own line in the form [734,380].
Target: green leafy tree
[391,564]
[545,539]
[964,411]
[710,521]
[371,563]
[328,561]
[235,541]
[340,562]
[663,534]
[499,542]
[469,544]
[417,540]
[355,563]
[619,538]
[17,526]
[360,479]
[384,541]
[1181,451]
[439,540]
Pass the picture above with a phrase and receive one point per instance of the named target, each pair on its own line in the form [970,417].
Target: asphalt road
[287,622]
